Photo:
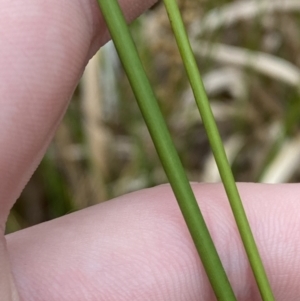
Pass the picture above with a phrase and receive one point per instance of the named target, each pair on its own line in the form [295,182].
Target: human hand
[135,247]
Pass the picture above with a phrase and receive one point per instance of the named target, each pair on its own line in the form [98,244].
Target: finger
[137,247]
[45,46]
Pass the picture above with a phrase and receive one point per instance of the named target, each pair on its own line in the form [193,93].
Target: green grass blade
[165,148]
[218,149]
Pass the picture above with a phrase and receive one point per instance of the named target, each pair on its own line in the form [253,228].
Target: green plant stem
[218,149]
[165,148]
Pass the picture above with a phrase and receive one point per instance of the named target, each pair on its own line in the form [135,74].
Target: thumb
[47,45]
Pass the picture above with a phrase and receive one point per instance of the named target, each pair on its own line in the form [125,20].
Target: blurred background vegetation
[249,56]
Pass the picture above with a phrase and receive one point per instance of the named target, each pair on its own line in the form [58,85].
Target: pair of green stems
[169,158]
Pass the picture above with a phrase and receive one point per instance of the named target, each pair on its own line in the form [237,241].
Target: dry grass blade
[266,64]
[96,135]
[232,147]
[234,12]
[285,164]
[215,82]
[220,79]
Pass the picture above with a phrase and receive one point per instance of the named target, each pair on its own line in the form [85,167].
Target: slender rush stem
[218,149]
[165,148]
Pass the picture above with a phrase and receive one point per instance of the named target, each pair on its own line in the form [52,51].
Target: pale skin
[135,247]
